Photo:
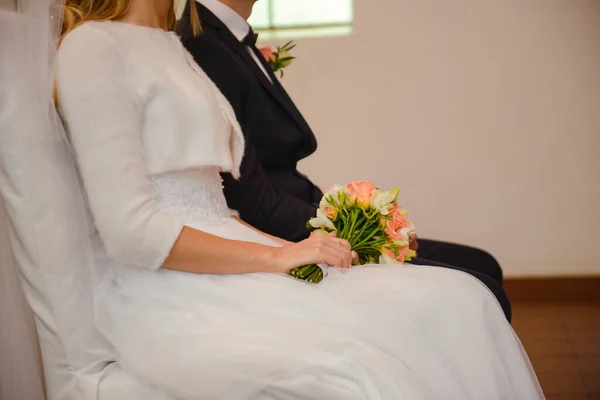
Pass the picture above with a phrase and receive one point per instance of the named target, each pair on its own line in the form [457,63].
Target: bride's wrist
[283,242]
[273,260]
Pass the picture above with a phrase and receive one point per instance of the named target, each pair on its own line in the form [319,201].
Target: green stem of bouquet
[316,276]
[348,220]
[371,241]
[360,228]
[306,271]
[354,217]
[366,227]
[344,218]
[311,273]
[370,236]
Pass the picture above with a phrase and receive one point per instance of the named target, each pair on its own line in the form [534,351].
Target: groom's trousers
[461,256]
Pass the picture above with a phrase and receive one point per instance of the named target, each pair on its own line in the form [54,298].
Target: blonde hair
[76,12]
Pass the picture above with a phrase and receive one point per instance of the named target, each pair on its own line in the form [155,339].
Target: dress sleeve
[104,118]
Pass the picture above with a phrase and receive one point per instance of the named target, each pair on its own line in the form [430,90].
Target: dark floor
[563,343]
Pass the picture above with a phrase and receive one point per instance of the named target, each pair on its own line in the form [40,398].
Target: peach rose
[402,254]
[361,192]
[267,52]
[393,234]
[398,221]
[388,256]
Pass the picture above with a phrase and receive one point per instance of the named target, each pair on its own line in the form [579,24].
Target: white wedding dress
[151,134]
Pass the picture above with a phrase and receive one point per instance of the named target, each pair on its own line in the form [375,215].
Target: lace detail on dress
[194,195]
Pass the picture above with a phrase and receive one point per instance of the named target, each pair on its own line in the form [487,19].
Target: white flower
[321,221]
[336,189]
[382,201]
[332,197]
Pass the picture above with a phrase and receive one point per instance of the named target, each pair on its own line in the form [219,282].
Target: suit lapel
[273,88]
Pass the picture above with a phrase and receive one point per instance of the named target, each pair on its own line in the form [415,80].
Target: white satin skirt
[375,332]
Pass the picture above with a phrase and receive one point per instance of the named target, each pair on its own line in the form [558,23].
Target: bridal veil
[43,222]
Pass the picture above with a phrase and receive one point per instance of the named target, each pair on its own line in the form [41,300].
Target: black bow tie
[250,39]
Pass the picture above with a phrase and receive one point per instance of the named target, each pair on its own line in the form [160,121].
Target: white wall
[485,112]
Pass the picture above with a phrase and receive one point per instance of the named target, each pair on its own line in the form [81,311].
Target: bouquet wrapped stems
[311,273]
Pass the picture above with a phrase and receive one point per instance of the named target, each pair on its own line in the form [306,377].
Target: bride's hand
[317,249]
[413,244]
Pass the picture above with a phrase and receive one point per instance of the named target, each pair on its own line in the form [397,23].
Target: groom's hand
[412,242]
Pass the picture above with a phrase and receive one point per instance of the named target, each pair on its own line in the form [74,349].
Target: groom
[272,194]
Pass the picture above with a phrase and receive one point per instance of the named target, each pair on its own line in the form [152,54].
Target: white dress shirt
[235,23]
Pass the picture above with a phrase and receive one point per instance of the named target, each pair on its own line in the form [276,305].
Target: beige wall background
[486,114]
[8,4]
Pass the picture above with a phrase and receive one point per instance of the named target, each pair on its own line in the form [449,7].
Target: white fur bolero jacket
[136,105]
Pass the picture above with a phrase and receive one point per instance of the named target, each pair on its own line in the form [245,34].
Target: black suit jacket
[271,194]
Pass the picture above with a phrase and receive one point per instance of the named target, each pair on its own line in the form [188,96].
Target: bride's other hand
[317,249]
[413,244]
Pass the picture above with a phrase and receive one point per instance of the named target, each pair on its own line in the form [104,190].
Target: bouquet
[369,219]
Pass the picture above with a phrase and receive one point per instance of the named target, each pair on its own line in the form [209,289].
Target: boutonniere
[280,58]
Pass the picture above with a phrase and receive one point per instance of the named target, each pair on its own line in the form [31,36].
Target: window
[285,14]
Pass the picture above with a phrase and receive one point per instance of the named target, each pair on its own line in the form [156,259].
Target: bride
[200,304]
